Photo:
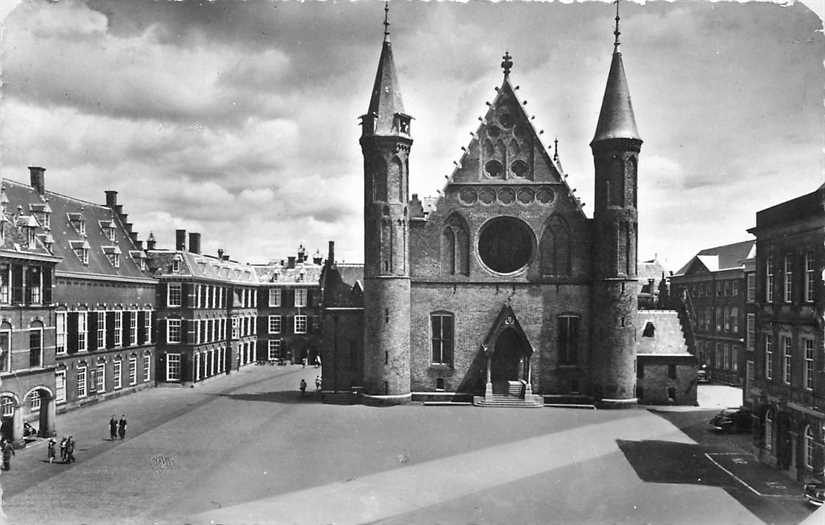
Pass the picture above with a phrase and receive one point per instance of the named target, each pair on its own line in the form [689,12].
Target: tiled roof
[200,266]
[302,273]
[64,234]
[719,258]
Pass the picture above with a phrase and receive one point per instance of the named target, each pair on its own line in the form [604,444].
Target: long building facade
[788,389]
[504,287]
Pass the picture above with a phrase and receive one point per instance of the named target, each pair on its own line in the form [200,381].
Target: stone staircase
[509,401]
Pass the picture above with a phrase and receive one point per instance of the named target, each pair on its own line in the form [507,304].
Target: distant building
[665,369]
[207,312]
[288,308]
[714,290]
[652,277]
[92,317]
[787,392]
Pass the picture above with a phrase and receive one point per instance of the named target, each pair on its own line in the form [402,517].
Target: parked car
[703,375]
[732,420]
[814,492]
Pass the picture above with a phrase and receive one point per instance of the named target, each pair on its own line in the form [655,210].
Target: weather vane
[507,64]
[386,20]
[616,32]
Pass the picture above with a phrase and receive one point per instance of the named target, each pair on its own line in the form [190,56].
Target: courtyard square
[248,448]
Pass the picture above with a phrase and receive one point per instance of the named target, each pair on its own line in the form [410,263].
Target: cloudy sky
[239,119]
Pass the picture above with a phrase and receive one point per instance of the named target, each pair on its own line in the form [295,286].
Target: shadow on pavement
[282,396]
[672,462]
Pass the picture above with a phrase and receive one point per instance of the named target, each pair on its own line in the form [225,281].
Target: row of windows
[809,439]
[96,330]
[724,318]
[806,351]
[719,356]
[442,326]
[721,288]
[34,359]
[210,330]
[92,379]
[210,296]
[805,264]
[25,284]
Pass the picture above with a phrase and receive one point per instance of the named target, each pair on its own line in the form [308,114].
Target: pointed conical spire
[616,119]
[386,95]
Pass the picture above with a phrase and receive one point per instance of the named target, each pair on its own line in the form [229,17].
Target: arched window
[809,447]
[555,247]
[395,182]
[649,330]
[35,344]
[616,183]
[7,406]
[769,429]
[514,149]
[455,249]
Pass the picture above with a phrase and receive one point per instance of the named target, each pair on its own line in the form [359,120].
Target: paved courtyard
[249,449]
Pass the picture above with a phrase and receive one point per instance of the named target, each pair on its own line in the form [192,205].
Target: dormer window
[402,123]
[113,254]
[108,228]
[78,223]
[81,250]
[139,257]
[176,264]
[31,237]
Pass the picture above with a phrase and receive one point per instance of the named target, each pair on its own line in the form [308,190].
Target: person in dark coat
[121,426]
[70,445]
[303,386]
[52,444]
[113,428]
[8,452]
[63,443]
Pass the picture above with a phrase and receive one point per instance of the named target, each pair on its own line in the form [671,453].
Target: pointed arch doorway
[508,353]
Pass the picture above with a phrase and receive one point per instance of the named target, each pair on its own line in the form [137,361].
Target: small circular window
[505,244]
[520,168]
[494,169]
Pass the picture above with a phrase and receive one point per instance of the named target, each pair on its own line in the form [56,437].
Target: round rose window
[505,244]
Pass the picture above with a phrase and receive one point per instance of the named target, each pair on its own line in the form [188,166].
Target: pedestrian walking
[121,427]
[63,443]
[8,452]
[317,360]
[52,444]
[304,362]
[113,428]
[318,383]
[303,386]
[70,445]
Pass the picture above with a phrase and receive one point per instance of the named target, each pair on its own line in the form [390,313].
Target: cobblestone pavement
[249,449]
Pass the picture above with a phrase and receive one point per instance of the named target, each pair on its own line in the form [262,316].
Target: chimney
[134,237]
[220,254]
[180,240]
[331,253]
[111,198]
[128,227]
[195,242]
[316,258]
[138,244]
[302,253]
[118,209]
[150,242]
[38,179]
[225,257]
[291,260]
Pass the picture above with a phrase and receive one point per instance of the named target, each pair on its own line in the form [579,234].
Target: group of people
[303,385]
[67,448]
[117,428]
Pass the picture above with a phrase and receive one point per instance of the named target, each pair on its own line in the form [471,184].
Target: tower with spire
[385,144]
[615,147]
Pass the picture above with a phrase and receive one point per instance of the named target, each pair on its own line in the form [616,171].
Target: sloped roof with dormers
[198,266]
[303,273]
[65,233]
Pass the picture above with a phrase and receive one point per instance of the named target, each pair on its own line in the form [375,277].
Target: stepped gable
[66,233]
[667,337]
[342,285]
[506,151]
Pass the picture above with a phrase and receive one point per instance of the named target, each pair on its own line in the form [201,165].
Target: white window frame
[176,263]
[147,368]
[769,356]
[171,326]
[751,287]
[173,363]
[787,357]
[82,327]
[810,277]
[300,297]
[101,329]
[300,324]
[788,282]
[60,386]
[34,401]
[148,326]
[214,296]
[769,279]
[117,373]
[100,378]
[808,354]
[198,295]
[7,364]
[809,447]
[118,329]
[750,332]
[133,338]
[274,349]
[275,297]
[174,294]
[132,370]
[81,388]
[5,403]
